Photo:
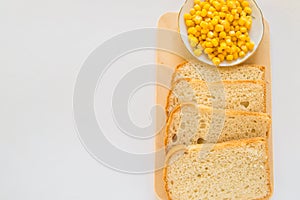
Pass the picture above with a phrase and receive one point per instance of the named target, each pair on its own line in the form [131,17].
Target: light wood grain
[170,61]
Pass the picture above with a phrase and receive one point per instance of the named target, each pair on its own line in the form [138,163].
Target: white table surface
[43,44]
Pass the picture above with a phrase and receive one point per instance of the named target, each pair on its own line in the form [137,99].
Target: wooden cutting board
[166,64]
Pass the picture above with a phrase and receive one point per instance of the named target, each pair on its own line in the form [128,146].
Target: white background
[42,47]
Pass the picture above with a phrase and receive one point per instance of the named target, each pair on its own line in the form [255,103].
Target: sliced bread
[237,95]
[232,170]
[191,124]
[208,73]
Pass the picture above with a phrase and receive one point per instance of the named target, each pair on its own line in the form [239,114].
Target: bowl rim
[229,64]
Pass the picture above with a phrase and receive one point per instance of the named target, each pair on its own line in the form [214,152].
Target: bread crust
[220,146]
[202,107]
[263,83]
[261,67]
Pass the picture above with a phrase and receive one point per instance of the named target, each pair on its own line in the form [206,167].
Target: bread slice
[212,74]
[191,124]
[237,170]
[237,95]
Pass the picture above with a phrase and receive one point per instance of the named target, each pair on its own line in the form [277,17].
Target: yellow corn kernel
[197,13]
[221,57]
[216,61]
[194,41]
[242,37]
[198,28]
[203,36]
[203,45]
[230,4]
[197,52]
[235,23]
[197,34]
[229,42]
[229,57]
[209,14]
[210,27]
[234,12]
[248,25]
[197,2]
[232,33]
[219,28]
[223,45]
[204,31]
[222,34]
[208,50]
[220,50]
[208,45]
[216,34]
[203,24]
[222,15]
[214,21]
[211,56]
[210,34]
[206,6]
[189,23]
[203,13]
[244,48]
[224,8]
[215,42]
[229,17]
[240,43]
[245,4]
[248,10]
[243,29]
[238,33]
[197,19]
[187,16]
[192,30]
[212,9]
[242,20]
[197,7]
[242,54]
[250,45]
[239,9]
[192,11]
[217,5]
[235,56]
[234,39]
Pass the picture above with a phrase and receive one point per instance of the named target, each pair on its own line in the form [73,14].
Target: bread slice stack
[217,134]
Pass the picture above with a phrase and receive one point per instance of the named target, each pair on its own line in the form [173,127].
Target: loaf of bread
[212,74]
[232,170]
[191,124]
[236,95]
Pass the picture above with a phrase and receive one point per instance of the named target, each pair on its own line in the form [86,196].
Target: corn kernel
[208,50]
[214,21]
[250,45]
[243,29]
[244,48]
[248,10]
[245,4]
[221,57]
[232,33]
[198,28]
[204,31]
[210,34]
[222,34]
[235,56]
[197,52]
[209,45]
[241,54]
[238,33]
[242,37]
[215,42]
[224,9]
[203,13]
[192,30]
[203,24]
[187,16]
[192,11]
[242,20]
[210,27]
[223,45]
[189,23]
[219,28]
[194,41]
[229,57]
[216,61]
[239,9]
[197,7]
[197,2]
